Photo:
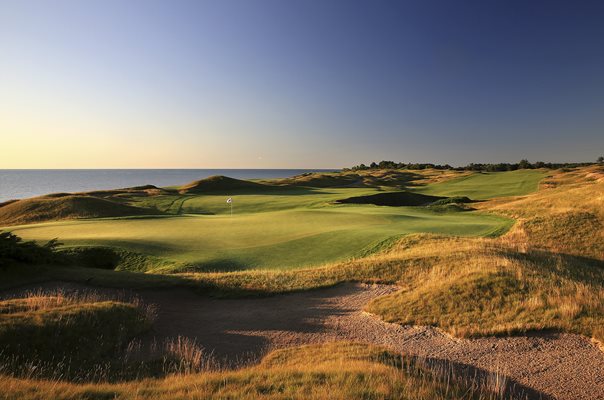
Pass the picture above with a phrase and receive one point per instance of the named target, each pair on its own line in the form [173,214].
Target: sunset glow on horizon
[309,84]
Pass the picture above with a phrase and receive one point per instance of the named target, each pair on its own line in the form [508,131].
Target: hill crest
[221,183]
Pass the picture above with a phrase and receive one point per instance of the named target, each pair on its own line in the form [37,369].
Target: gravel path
[562,366]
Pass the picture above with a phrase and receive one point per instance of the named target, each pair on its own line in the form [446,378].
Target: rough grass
[369,178]
[65,334]
[481,287]
[334,371]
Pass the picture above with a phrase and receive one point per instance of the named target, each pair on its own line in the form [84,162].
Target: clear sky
[298,83]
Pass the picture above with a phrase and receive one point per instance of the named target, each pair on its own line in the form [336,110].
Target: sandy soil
[561,366]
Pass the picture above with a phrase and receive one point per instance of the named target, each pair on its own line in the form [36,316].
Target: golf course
[279,226]
[301,200]
[326,269]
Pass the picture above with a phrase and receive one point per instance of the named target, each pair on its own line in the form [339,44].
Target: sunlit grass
[330,371]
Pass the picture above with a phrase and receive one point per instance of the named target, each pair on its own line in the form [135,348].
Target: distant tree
[387,165]
[524,164]
[601,160]
[539,164]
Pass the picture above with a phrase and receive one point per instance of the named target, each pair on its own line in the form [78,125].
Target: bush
[14,250]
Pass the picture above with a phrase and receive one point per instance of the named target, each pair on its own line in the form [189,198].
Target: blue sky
[277,84]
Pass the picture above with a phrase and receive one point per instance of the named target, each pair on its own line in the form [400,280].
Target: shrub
[14,250]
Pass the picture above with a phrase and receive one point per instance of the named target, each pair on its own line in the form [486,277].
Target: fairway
[488,185]
[280,227]
[269,240]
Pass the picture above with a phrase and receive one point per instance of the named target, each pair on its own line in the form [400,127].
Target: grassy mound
[70,332]
[369,178]
[65,206]
[330,371]
[131,192]
[222,184]
[396,199]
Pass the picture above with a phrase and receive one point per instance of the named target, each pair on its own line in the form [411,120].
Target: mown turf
[268,240]
[488,185]
[281,228]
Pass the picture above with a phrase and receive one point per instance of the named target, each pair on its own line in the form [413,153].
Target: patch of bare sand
[563,366]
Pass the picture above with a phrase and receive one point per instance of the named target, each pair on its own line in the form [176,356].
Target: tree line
[489,167]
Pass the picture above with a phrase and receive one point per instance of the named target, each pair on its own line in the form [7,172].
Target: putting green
[488,185]
[267,240]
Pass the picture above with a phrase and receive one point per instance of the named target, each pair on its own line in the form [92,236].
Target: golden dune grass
[330,371]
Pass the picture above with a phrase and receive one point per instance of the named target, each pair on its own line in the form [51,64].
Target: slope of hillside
[370,178]
[65,206]
[220,183]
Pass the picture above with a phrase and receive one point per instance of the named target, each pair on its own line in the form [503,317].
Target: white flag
[229,200]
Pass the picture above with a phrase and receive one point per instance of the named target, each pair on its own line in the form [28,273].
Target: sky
[298,83]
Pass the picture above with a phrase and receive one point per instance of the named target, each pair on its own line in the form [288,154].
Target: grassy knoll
[488,185]
[334,371]
[65,206]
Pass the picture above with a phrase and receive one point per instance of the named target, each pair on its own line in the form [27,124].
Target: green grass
[488,185]
[281,228]
[268,240]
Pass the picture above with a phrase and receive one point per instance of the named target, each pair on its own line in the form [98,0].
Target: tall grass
[71,335]
[329,371]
